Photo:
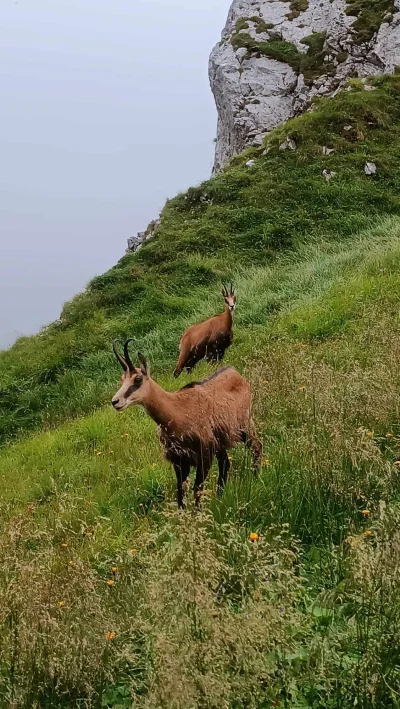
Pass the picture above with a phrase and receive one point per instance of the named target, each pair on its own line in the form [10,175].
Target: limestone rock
[136,242]
[256,87]
[370,168]
[328,175]
[288,144]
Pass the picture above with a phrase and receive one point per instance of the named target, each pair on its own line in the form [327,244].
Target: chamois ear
[144,365]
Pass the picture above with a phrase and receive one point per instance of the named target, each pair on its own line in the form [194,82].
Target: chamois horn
[126,353]
[120,359]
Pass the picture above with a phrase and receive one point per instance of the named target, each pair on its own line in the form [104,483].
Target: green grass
[261,25]
[317,333]
[241,24]
[311,64]
[250,216]
[275,48]
[369,16]
[196,615]
[296,8]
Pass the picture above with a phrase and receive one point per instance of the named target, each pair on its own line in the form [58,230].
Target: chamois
[196,423]
[208,339]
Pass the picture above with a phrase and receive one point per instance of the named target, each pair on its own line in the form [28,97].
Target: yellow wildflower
[389,435]
[266,462]
[71,563]
[114,569]
[99,453]
[111,452]
[61,604]
[368,533]
[365,513]
[132,551]
[64,546]
[370,434]
[265,381]
[253,536]
[110,582]
[302,388]
[109,635]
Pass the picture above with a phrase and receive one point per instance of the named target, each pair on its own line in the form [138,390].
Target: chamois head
[229,297]
[135,380]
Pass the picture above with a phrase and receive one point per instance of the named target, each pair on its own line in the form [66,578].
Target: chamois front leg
[182,470]
[202,471]
[256,448]
[253,443]
[223,468]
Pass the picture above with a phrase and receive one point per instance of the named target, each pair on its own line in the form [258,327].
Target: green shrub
[296,8]
[369,16]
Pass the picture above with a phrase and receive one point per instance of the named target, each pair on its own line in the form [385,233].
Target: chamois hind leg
[178,368]
[253,443]
[223,468]
[186,363]
[182,470]
[220,353]
[202,471]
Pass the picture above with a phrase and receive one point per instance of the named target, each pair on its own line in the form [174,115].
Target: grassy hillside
[242,218]
[108,596]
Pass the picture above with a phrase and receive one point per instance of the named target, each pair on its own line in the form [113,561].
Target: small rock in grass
[328,175]
[205,199]
[250,163]
[288,144]
[327,151]
[370,168]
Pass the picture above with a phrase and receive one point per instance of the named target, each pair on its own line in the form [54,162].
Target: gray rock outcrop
[136,242]
[275,56]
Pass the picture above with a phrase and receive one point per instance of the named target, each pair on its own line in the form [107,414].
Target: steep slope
[275,57]
[108,596]
[242,217]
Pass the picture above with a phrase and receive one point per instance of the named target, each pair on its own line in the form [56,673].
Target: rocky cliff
[275,57]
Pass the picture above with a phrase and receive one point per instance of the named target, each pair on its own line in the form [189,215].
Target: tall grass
[196,614]
[284,591]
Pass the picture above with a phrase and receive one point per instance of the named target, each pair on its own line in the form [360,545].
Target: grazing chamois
[196,423]
[208,340]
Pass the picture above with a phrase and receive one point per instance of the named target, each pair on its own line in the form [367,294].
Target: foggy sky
[105,112]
